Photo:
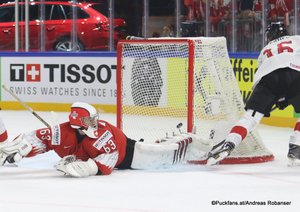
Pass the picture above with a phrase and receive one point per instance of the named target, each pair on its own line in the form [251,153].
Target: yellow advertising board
[95,83]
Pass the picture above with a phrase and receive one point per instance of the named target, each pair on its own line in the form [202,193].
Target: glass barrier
[97,25]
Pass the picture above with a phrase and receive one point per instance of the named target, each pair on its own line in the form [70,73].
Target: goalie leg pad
[168,152]
[153,156]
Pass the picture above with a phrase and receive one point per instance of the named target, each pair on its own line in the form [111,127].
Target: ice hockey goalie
[90,146]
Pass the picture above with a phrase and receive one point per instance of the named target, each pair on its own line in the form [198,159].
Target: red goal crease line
[238,160]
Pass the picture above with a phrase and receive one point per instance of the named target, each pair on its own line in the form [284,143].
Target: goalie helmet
[275,30]
[84,117]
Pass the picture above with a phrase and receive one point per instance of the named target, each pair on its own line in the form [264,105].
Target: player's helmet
[84,117]
[275,30]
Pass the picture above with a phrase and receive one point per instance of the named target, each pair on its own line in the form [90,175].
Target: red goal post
[190,78]
[162,82]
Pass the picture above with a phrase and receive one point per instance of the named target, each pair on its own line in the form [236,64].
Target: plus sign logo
[32,72]
[74,115]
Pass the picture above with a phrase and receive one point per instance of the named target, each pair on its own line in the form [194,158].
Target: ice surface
[34,185]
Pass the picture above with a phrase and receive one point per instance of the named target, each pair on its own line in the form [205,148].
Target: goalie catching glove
[77,168]
[14,151]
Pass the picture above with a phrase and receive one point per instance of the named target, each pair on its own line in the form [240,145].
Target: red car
[92,27]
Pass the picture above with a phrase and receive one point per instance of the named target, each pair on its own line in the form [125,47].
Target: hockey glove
[61,165]
[282,104]
[218,154]
[14,151]
[76,168]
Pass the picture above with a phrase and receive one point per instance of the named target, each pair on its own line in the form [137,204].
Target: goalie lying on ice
[90,146]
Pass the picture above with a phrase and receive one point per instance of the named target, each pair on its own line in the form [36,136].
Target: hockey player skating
[276,84]
[89,146]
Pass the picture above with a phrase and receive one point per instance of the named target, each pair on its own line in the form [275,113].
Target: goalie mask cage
[164,82]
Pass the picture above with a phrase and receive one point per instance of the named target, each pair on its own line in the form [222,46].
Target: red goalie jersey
[107,149]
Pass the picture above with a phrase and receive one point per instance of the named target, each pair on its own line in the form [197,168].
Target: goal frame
[190,108]
[190,95]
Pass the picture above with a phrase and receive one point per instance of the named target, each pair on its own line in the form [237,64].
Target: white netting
[156,93]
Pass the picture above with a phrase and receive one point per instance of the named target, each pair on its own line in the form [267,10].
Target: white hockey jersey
[279,53]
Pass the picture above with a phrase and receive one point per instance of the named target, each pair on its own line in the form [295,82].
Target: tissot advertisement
[60,79]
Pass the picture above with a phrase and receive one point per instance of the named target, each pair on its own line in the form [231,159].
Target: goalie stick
[25,106]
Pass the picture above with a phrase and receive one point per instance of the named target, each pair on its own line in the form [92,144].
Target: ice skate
[294,155]
[215,156]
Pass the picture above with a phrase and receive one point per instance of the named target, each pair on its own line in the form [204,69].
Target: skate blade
[293,162]
[214,160]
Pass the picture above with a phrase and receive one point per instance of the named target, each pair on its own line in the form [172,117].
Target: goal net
[164,82]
